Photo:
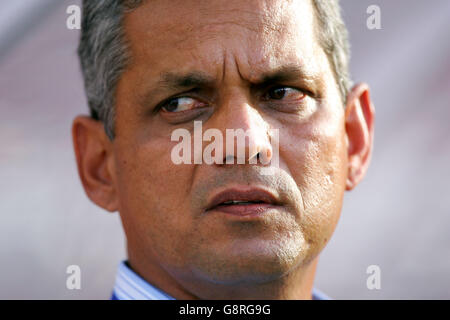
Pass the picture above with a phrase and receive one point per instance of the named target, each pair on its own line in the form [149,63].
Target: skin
[324,148]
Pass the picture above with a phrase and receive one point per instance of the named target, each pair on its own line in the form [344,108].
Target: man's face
[234,45]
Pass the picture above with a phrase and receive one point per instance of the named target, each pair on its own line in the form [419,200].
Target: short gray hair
[104,53]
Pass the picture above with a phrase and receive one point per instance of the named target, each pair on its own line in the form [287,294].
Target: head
[152,67]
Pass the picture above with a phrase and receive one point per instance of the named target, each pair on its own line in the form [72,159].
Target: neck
[296,285]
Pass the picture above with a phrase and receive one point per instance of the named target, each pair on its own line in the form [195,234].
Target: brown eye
[181,104]
[280,93]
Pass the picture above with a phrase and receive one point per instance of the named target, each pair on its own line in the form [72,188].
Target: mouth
[243,202]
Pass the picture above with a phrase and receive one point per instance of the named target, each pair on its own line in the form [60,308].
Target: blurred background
[398,218]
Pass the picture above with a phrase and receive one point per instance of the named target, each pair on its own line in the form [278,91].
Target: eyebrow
[197,78]
[285,73]
[177,81]
[174,81]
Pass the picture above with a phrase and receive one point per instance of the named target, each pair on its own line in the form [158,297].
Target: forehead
[257,34]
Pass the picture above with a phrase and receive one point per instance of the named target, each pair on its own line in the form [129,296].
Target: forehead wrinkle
[253,21]
[216,29]
[265,18]
[249,64]
[265,21]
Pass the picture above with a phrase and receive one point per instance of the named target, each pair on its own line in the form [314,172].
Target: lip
[262,201]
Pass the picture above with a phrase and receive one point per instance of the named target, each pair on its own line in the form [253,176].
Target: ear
[95,161]
[359,126]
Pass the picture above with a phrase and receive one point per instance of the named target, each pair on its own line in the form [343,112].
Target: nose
[246,132]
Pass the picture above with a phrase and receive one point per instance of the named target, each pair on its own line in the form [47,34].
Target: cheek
[154,196]
[316,159]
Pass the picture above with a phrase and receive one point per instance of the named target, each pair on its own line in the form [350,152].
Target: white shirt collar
[130,286]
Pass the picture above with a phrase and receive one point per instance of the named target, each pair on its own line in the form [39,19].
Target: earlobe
[359,126]
[93,155]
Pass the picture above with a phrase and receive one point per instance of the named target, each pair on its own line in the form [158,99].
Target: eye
[181,104]
[280,93]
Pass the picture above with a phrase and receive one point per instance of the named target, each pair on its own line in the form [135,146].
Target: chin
[250,261]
